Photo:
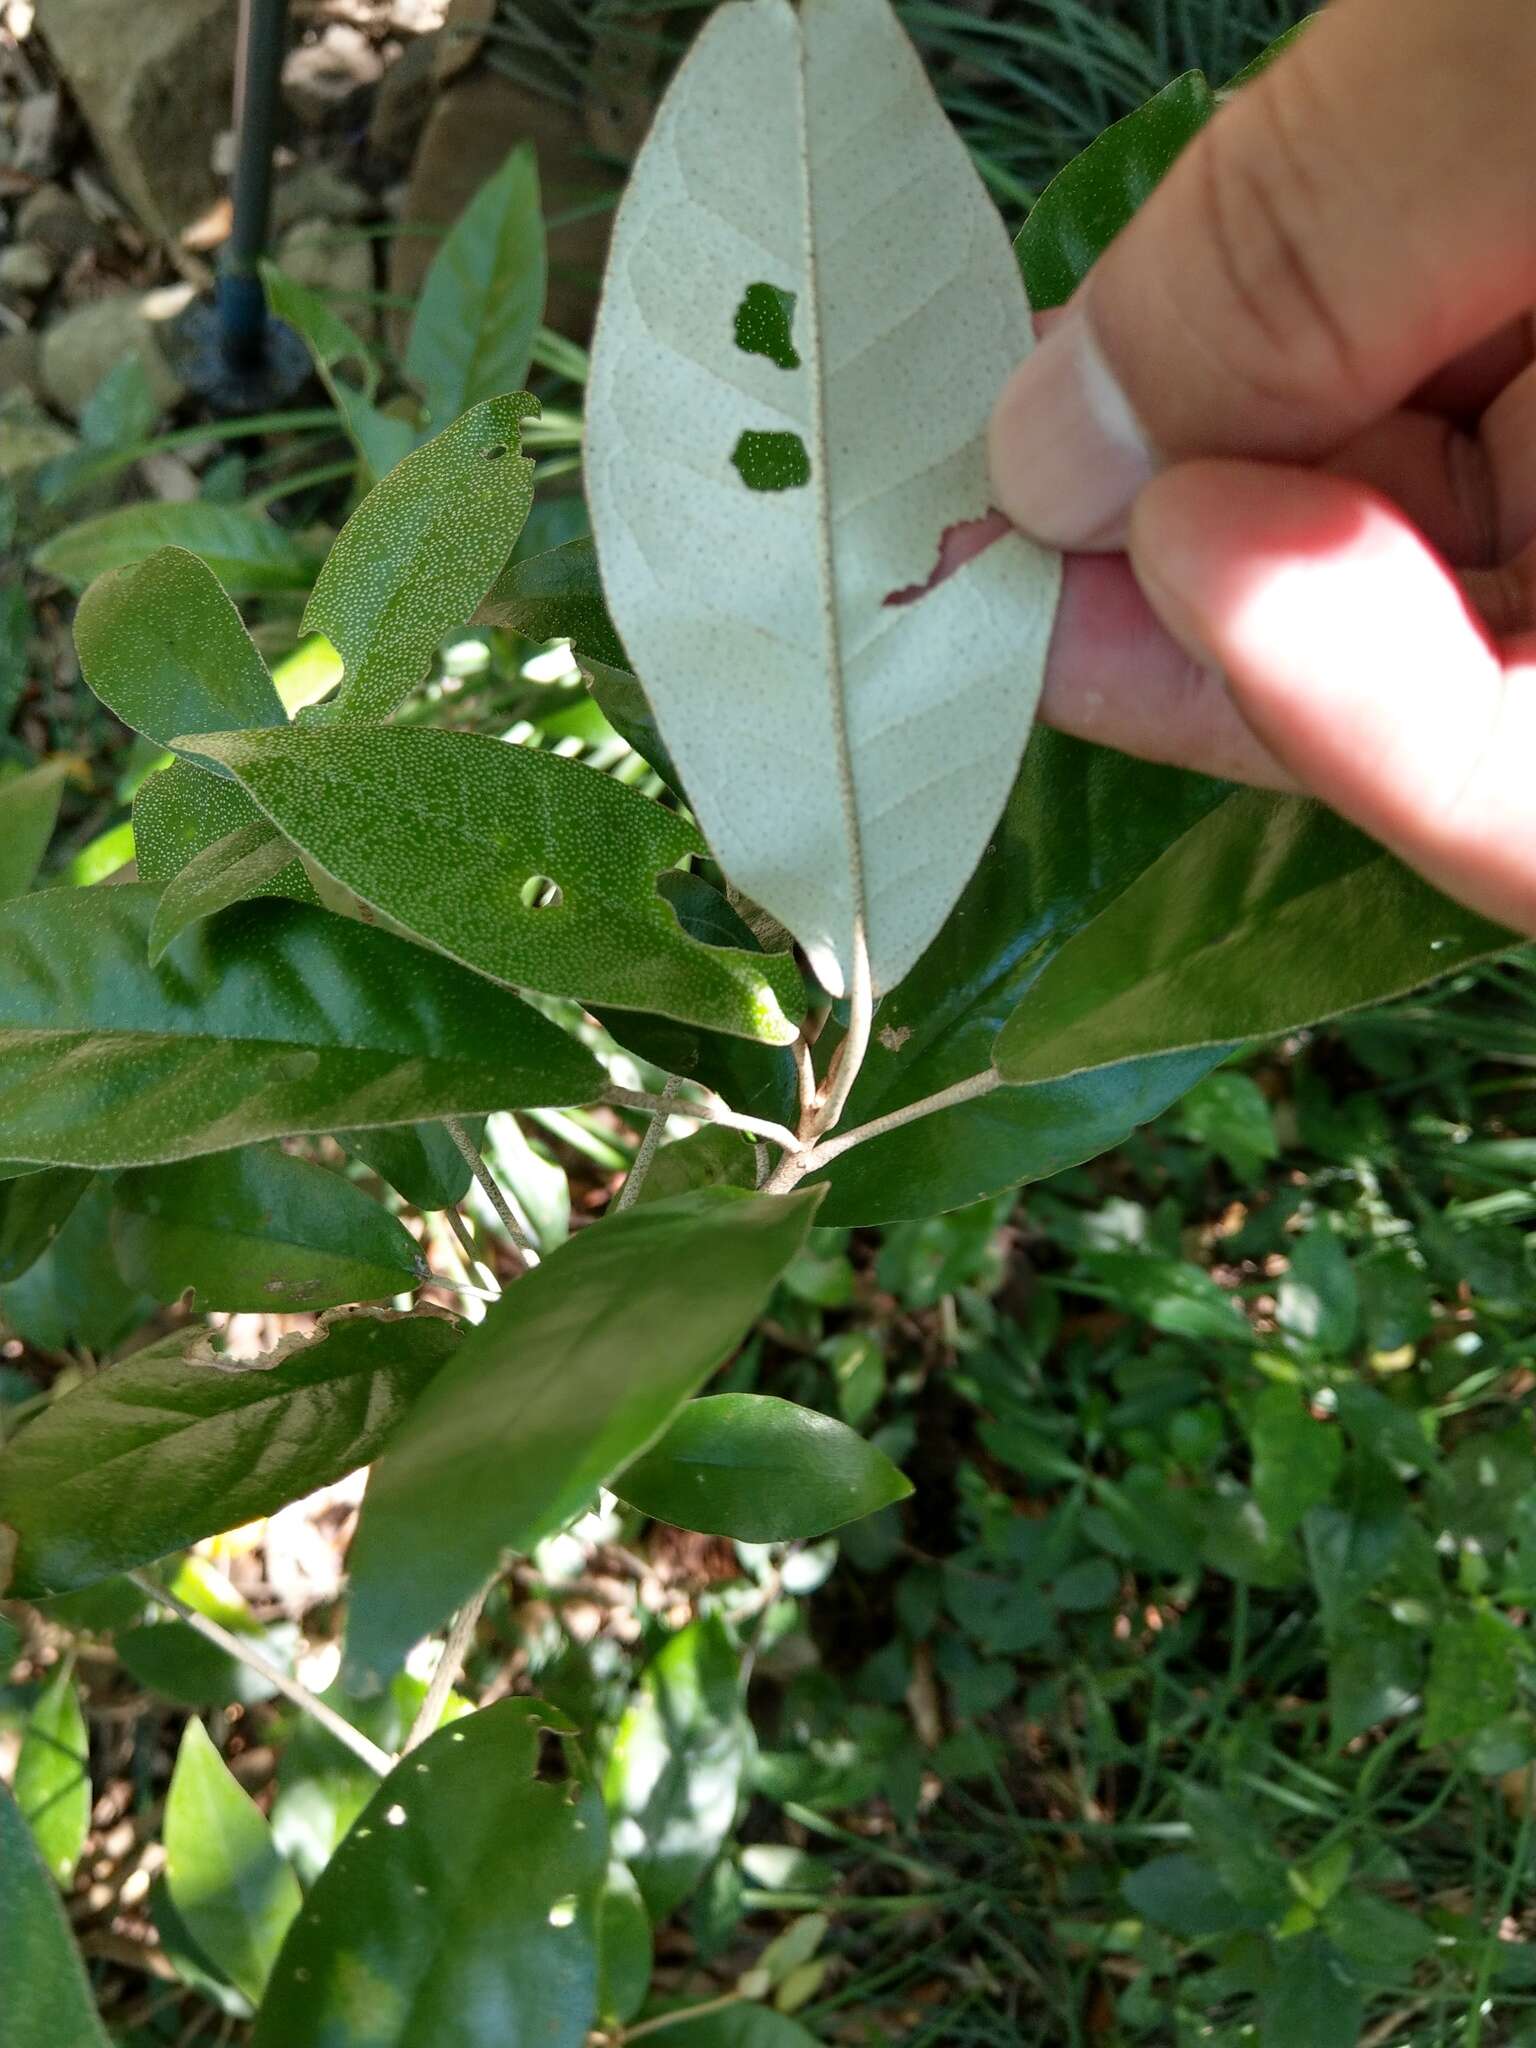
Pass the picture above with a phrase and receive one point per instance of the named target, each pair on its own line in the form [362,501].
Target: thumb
[1349,222]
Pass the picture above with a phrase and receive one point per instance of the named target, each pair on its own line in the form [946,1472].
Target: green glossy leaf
[460,1912]
[1296,1459]
[1267,56]
[171,1659]
[419,1161]
[757,1079]
[163,647]
[482,298]
[44,1995]
[1035,887]
[173,1444]
[1174,1296]
[623,702]
[1086,205]
[1229,1113]
[29,809]
[557,596]
[772,538]
[1268,914]
[443,832]
[379,437]
[1312,2001]
[252,862]
[1374,1674]
[269,1020]
[420,552]
[625,1948]
[760,1470]
[740,2026]
[71,1293]
[674,1774]
[250,555]
[256,1229]
[53,1775]
[1318,1301]
[1474,1668]
[33,1209]
[710,1158]
[573,1373]
[234,1892]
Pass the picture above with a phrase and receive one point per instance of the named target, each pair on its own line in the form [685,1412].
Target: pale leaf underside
[847,754]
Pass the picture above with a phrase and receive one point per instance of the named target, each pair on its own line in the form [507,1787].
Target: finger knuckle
[1262,209]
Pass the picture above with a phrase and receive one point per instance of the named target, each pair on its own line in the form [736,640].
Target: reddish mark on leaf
[958,544]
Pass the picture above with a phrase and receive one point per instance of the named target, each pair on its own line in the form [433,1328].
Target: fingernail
[1067,452]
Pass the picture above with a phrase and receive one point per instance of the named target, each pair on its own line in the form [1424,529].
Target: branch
[634,1180]
[968,1090]
[449,1665]
[498,1201]
[711,1110]
[666,2020]
[255,1660]
[849,1057]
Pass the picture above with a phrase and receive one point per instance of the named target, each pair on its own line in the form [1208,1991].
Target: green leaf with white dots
[419,553]
[449,834]
[461,1910]
[251,862]
[258,1230]
[268,1020]
[235,1894]
[176,1443]
[163,647]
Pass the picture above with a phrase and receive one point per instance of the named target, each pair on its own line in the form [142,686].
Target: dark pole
[258,71]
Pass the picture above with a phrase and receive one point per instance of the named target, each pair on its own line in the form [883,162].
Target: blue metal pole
[258,72]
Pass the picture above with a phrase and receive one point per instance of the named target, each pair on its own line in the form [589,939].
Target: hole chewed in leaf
[540,892]
[764,320]
[771,461]
[495,452]
[958,544]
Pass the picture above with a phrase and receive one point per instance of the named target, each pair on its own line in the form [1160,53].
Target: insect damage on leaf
[958,544]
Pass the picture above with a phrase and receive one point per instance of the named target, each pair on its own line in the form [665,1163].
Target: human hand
[1298,391]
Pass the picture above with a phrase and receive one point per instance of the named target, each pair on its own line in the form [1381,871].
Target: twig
[254,1660]
[650,1144]
[968,1090]
[498,1201]
[472,1258]
[849,1057]
[677,2019]
[709,1110]
[449,1665]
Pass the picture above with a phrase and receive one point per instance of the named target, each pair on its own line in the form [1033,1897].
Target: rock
[21,364]
[56,219]
[35,143]
[326,258]
[403,103]
[317,192]
[153,83]
[80,349]
[326,83]
[27,267]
